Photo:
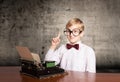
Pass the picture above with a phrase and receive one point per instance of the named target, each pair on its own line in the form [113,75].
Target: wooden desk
[12,74]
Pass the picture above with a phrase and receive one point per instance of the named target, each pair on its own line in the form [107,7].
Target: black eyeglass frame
[71,32]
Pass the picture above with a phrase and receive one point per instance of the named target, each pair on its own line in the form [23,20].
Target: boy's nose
[71,34]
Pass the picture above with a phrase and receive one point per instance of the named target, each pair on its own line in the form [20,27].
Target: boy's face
[74,35]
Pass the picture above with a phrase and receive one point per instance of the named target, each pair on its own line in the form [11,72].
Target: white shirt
[82,60]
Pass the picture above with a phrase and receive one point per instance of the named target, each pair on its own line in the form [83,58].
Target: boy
[74,55]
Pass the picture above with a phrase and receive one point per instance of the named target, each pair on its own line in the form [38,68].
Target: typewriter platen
[32,66]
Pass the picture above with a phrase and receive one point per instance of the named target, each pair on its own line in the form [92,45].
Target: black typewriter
[31,64]
[40,71]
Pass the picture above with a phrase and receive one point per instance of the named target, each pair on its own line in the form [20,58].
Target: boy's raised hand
[55,41]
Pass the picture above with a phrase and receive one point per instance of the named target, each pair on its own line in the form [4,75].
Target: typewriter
[31,65]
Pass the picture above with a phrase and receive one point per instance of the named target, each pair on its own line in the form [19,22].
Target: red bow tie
[76,46]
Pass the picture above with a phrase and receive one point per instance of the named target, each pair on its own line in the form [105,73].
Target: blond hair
[77,22]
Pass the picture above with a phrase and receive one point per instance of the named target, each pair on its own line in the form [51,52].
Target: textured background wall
[33,23]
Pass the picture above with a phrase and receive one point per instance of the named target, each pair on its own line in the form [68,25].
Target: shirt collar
[79,42]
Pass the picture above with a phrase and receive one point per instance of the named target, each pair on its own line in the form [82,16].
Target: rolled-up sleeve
[91,61]
[54,55]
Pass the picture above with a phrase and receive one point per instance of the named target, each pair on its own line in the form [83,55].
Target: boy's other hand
[55,41]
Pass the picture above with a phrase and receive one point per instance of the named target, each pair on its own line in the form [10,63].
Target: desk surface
[12,74]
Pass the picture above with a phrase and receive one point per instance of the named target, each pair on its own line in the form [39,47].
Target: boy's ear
[82,34]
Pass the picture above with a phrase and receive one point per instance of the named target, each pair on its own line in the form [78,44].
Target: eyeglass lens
[75,32]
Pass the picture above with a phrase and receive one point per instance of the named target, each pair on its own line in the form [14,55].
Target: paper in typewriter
[25,53]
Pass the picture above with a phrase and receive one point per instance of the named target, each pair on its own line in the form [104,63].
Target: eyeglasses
[75,32]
